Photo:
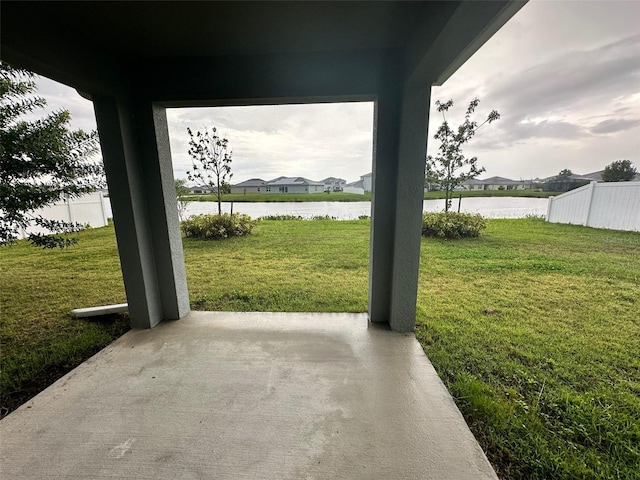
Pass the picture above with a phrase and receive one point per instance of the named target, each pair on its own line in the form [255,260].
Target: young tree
[450,167]
[211,160]
[181,192]
[619,171]
[41,162]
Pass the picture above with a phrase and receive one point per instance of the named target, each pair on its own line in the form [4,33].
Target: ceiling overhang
[191,52]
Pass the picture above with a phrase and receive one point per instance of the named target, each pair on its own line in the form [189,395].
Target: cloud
[565,77]
[614,126]
[314,141]
[571,81]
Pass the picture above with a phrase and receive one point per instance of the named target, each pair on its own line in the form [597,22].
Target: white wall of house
[356,190]
[293,189]
[366,182]
[244,190]
[615,206]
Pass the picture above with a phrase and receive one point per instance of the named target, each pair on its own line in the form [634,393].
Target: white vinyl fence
[615,206]
[88,209]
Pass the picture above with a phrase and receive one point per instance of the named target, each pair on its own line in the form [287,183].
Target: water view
[490,207]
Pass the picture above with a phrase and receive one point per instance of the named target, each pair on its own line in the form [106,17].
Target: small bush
[452,225]
[217,227]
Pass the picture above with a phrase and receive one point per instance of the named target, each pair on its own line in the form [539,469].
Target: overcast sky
[565,77]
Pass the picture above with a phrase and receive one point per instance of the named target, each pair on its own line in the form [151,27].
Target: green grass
[290,266]
[548,378]
[39,341]
[492,193]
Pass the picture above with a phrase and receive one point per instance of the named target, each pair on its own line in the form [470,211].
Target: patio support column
[400,137]
[135,146]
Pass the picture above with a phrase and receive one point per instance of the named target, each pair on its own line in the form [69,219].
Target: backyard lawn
[533,327]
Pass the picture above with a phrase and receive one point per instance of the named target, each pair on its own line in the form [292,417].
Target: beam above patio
[247,395]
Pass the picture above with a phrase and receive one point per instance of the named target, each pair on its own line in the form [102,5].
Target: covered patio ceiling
[113,45]
[134,59]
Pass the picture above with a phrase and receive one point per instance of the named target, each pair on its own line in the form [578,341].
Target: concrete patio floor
[247,395]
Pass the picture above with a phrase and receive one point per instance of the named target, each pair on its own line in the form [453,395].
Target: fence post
[549,208]
[592,188]
[68,202]
[105,218]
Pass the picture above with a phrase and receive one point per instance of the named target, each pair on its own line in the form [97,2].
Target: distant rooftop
[252,182]
[293,181]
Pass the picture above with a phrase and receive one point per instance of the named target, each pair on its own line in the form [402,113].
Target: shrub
[452,225]
[216,227]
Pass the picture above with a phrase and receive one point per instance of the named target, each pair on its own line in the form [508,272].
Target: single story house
[333,184]
[559,183]
[293,185]
[202,189]
[253,185]
[496,183]
[354,187]
[597,176]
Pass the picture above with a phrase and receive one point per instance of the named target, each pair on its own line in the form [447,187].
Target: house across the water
[497,183]
[333,184]
[253,185]
[293,185]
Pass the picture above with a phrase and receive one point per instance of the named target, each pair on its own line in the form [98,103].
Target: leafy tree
[181,192]
[565,173]
[619,171]
[41,162]
[449,168]
[211,161]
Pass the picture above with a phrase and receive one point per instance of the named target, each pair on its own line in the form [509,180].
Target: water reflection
[490,207]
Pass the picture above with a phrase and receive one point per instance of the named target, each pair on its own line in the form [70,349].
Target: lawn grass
[549,377]
[39,341]
[533,327]
[492,193]
[285,266]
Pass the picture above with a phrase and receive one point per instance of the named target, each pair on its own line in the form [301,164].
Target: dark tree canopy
[619,171]
[450,168]
[41,162]
[565,173]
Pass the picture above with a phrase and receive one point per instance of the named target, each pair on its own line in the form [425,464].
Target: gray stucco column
[400,136]
[137,159]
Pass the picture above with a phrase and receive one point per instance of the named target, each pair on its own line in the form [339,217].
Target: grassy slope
[550,384]
[294,266]
[39,341]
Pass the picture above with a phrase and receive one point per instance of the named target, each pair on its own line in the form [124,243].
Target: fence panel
[88,209]
[614,206]
[571,207]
